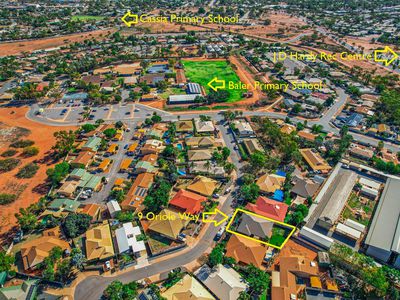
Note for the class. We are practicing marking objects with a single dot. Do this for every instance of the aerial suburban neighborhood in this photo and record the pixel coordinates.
(199, 150)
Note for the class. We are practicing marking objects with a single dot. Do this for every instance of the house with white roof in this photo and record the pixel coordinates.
(204, 126)
(224, 282)
(127, 240)
(113, 208)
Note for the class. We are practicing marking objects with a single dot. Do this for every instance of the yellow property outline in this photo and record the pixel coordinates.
(260, 216)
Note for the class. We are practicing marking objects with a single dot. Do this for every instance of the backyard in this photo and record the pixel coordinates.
(358, 209)
(202, 72)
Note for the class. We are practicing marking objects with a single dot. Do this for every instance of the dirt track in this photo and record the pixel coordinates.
(14, 48)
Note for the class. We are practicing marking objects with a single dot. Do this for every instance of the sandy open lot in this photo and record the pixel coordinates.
(42, 135)
(14, 48)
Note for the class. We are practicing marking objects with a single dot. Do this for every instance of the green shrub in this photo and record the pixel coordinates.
(9, 153)
(7, 198)
(30, 151)
(8, 164)
(22, 144)
(28, 171)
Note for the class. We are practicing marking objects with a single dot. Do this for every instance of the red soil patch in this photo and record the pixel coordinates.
(43, 137)
(14, 48)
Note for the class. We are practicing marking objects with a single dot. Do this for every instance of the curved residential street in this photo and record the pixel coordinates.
(92, 287)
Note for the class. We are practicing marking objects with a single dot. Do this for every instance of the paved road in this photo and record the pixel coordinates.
(112, 174)
(93, 287)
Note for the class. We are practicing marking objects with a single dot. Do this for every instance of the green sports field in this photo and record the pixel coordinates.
(202, 72)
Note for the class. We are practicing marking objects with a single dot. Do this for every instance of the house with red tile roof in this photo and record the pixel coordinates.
(188, 202)
(269, 208)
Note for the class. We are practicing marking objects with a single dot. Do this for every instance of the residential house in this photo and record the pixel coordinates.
(187, 288)
(288, 129)
(35, 251)
(255, 226)
(304, 187)
(83, 160)
(169, 224)
(204, 126)
(315, 160)
(152, 147)
(68, 188)
(361, 152)
(285, 282)
(188, 202)
(243, 128)
(206, 168)
(113, 208)
(92, 144)
(306, 135)
(203, 185)
(269, 183)
(269, 208)
(200, 154)
(138, 191)
(200, 142)
(223, 281)
(246, 251)
(98, 243)
(61, 207)
(252, 146)
(144, 167)
(151, 159)
(26, 291)
(184, 126)
(93, 210)
(127, 240)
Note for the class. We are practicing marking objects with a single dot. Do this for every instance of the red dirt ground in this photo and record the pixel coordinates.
(42, 135)
(14, 48)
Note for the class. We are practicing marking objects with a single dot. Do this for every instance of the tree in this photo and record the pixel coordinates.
(76, 224)
(110, 132)
(216, 256)
(58, 173)
(169, 151)
(6, 261)
(88, 127)
(225, 153)
(250, 192)
(158, 195)
(229, 167)
(156, 118)
(77, 258)
(64, 142)
(257, 160)
(257, 279)
(26, 219)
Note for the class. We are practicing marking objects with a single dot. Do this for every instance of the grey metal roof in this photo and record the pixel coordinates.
(384, 232)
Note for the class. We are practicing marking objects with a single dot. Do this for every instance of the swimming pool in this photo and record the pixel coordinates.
(179, 146)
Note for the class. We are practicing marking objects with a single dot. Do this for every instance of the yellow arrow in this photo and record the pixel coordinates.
(130, 15)
(384, 60)
(214, 213)
(216, 80)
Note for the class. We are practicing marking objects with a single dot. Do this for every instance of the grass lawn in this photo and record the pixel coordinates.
(158, 243)
(86, 18)
(171, 91)
(202, 72)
